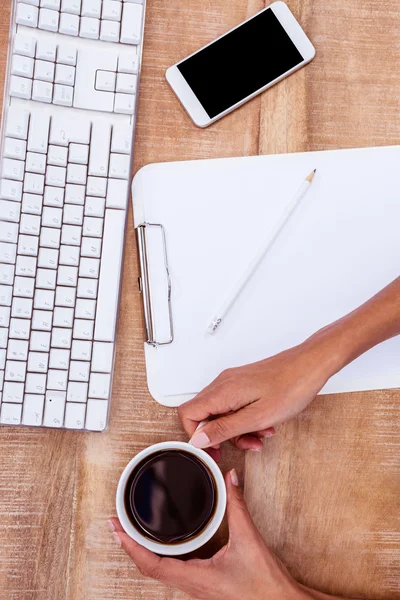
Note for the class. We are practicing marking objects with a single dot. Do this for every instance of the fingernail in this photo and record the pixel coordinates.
(269, 434)
(234, 478)
(200, 440)
(255, 449)
(110, 525)
(117, 539)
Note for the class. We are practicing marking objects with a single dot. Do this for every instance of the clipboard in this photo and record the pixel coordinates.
(199, 223)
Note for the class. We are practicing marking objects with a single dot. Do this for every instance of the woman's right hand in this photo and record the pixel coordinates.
(246, 403)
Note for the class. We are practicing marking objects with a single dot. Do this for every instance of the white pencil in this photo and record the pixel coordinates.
(224, 309)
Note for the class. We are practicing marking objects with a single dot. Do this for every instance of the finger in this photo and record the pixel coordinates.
(217, 399)
(227, 427)
(265, 433)
(248, 442)
(168, 570)
(239, 520)
(114, 524)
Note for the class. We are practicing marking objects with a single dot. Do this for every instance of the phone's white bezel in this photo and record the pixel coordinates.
(189, 100)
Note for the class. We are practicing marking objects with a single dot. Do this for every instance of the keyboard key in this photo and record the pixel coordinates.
(129, 62)
(61, 338)
(56, 176)
(89, 267)
(20, 87)
(100, 150)
(89, 28)
(105, 80)
(22, 308)
(95, 207)
(97, 186)
(120, 166)
(22, 66)
(14, 148)
(66, 55)
(57, 380)
(107, 304)
(27, 15)
(32, 204)
(32, 413)
(10, 413)
(109, 32)
(102, 359)
(69, 255)
(6, 274)
(63, 317)
(42, 92)
(36, 163)
(34, 184)
(69, 24)
(65, 75)
(39, 133)
(71, 6)
(46, 279)
(59, 359)
(13, 392)
(79, 371)
(65, 296)
(24, 287)
(38, 362)
(74, 194)
(53, 196)
(26, 266)
(67, 276)
(28, 245)
(15, 370)
(3, 344)
(54, 409)
(71, 235)
(92, 227)
(9, 210)
(96, 415)
(42, 320)
(75, 415)
(124, 104)
(44, 71)
(83, 329)
(46, 49)
(44, 299)
(48, 259)
(91, 247)
(63, 95)
(131, 27)
(87, 288)
(57, 156)
(52, 4)
(24, 44)
(35, 383)
(79, 154)
(126, 84)
(4, 322)
(50, 237)
(52, 217)
(13, 169)
(77, 174)
(73, 214)
(91, 8)
(17, 350)
(122, 137)
(40, 341)
(8, 253)
(81, 350)
(85, 309)
(17, 123)
(112, 10)
(48, 19)
(5, 295)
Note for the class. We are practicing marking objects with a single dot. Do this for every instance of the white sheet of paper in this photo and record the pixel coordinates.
(341, 246)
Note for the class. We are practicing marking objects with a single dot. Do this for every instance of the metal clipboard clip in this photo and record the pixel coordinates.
(145, 287)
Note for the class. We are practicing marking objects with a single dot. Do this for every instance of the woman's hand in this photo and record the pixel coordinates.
(243, 570)
(254, 398)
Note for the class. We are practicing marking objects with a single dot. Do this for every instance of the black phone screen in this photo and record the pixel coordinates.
(240, 63)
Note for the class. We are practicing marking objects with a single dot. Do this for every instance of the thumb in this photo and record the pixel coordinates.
(226, 427)
(239, 519)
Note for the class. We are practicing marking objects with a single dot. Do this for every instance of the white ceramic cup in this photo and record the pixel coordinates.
(212, 526)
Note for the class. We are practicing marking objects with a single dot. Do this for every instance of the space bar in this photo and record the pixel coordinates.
(110, 276)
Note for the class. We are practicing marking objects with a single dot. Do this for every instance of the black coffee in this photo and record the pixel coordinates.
(170, 496)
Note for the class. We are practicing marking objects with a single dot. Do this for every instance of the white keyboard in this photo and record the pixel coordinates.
(65, 160)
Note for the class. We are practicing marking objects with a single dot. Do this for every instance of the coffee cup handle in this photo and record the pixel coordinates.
(199, 426)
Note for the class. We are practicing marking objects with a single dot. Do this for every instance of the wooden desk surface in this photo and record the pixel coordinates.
(325, 491)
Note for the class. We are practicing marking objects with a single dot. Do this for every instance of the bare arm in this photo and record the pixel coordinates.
(249, 401)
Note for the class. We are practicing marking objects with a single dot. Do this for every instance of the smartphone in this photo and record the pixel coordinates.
(237, 66)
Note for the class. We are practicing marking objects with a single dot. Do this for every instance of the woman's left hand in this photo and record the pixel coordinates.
(244, 569)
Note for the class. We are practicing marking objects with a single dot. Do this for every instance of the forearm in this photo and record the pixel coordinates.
(372, 323)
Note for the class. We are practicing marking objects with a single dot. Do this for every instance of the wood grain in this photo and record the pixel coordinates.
(57, 488)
